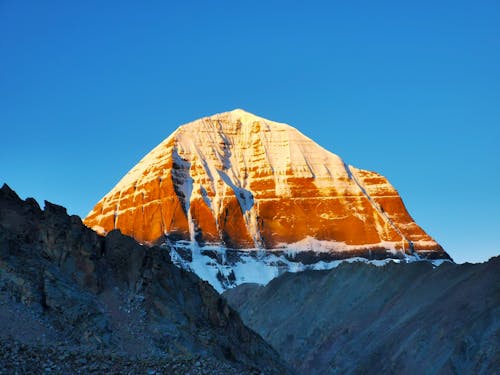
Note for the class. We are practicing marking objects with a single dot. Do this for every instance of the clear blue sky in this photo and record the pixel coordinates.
(408, 89)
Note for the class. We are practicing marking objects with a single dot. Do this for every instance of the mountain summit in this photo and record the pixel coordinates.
(239, 182)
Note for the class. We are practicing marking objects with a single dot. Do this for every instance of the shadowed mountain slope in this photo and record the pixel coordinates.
(65, 289)
(396, 319)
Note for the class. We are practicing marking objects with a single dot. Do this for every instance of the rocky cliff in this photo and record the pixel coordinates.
(395, 319)
(81, 302)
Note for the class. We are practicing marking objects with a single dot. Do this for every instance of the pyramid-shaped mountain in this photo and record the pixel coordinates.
(238, 181)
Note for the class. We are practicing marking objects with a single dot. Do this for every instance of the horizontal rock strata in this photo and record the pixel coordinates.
(245, 182)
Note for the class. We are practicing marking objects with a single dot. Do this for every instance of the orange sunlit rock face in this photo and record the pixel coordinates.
(244, 182)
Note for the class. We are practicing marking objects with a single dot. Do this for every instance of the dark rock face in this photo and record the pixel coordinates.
(62, 284)
(397, 319)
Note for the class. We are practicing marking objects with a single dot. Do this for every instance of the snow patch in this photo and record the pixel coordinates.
(321, 246)
(211, 264)
(100, 230)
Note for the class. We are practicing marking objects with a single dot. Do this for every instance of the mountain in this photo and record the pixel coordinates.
(252, 198)
(72, 301)
(397, 319)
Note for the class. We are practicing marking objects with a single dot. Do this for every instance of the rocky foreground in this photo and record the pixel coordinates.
(397, 319)
(72, 301)
(19, 358)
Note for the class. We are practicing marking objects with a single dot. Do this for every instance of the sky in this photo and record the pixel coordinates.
(408, 89)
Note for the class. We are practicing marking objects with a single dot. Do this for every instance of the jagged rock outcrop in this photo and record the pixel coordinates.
(397, 319)
(63, 284)
(243, 182)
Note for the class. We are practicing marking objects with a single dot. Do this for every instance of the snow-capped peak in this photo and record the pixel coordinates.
(235, 180)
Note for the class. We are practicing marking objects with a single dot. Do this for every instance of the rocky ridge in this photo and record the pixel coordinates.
(80, 302)
(394, 319)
